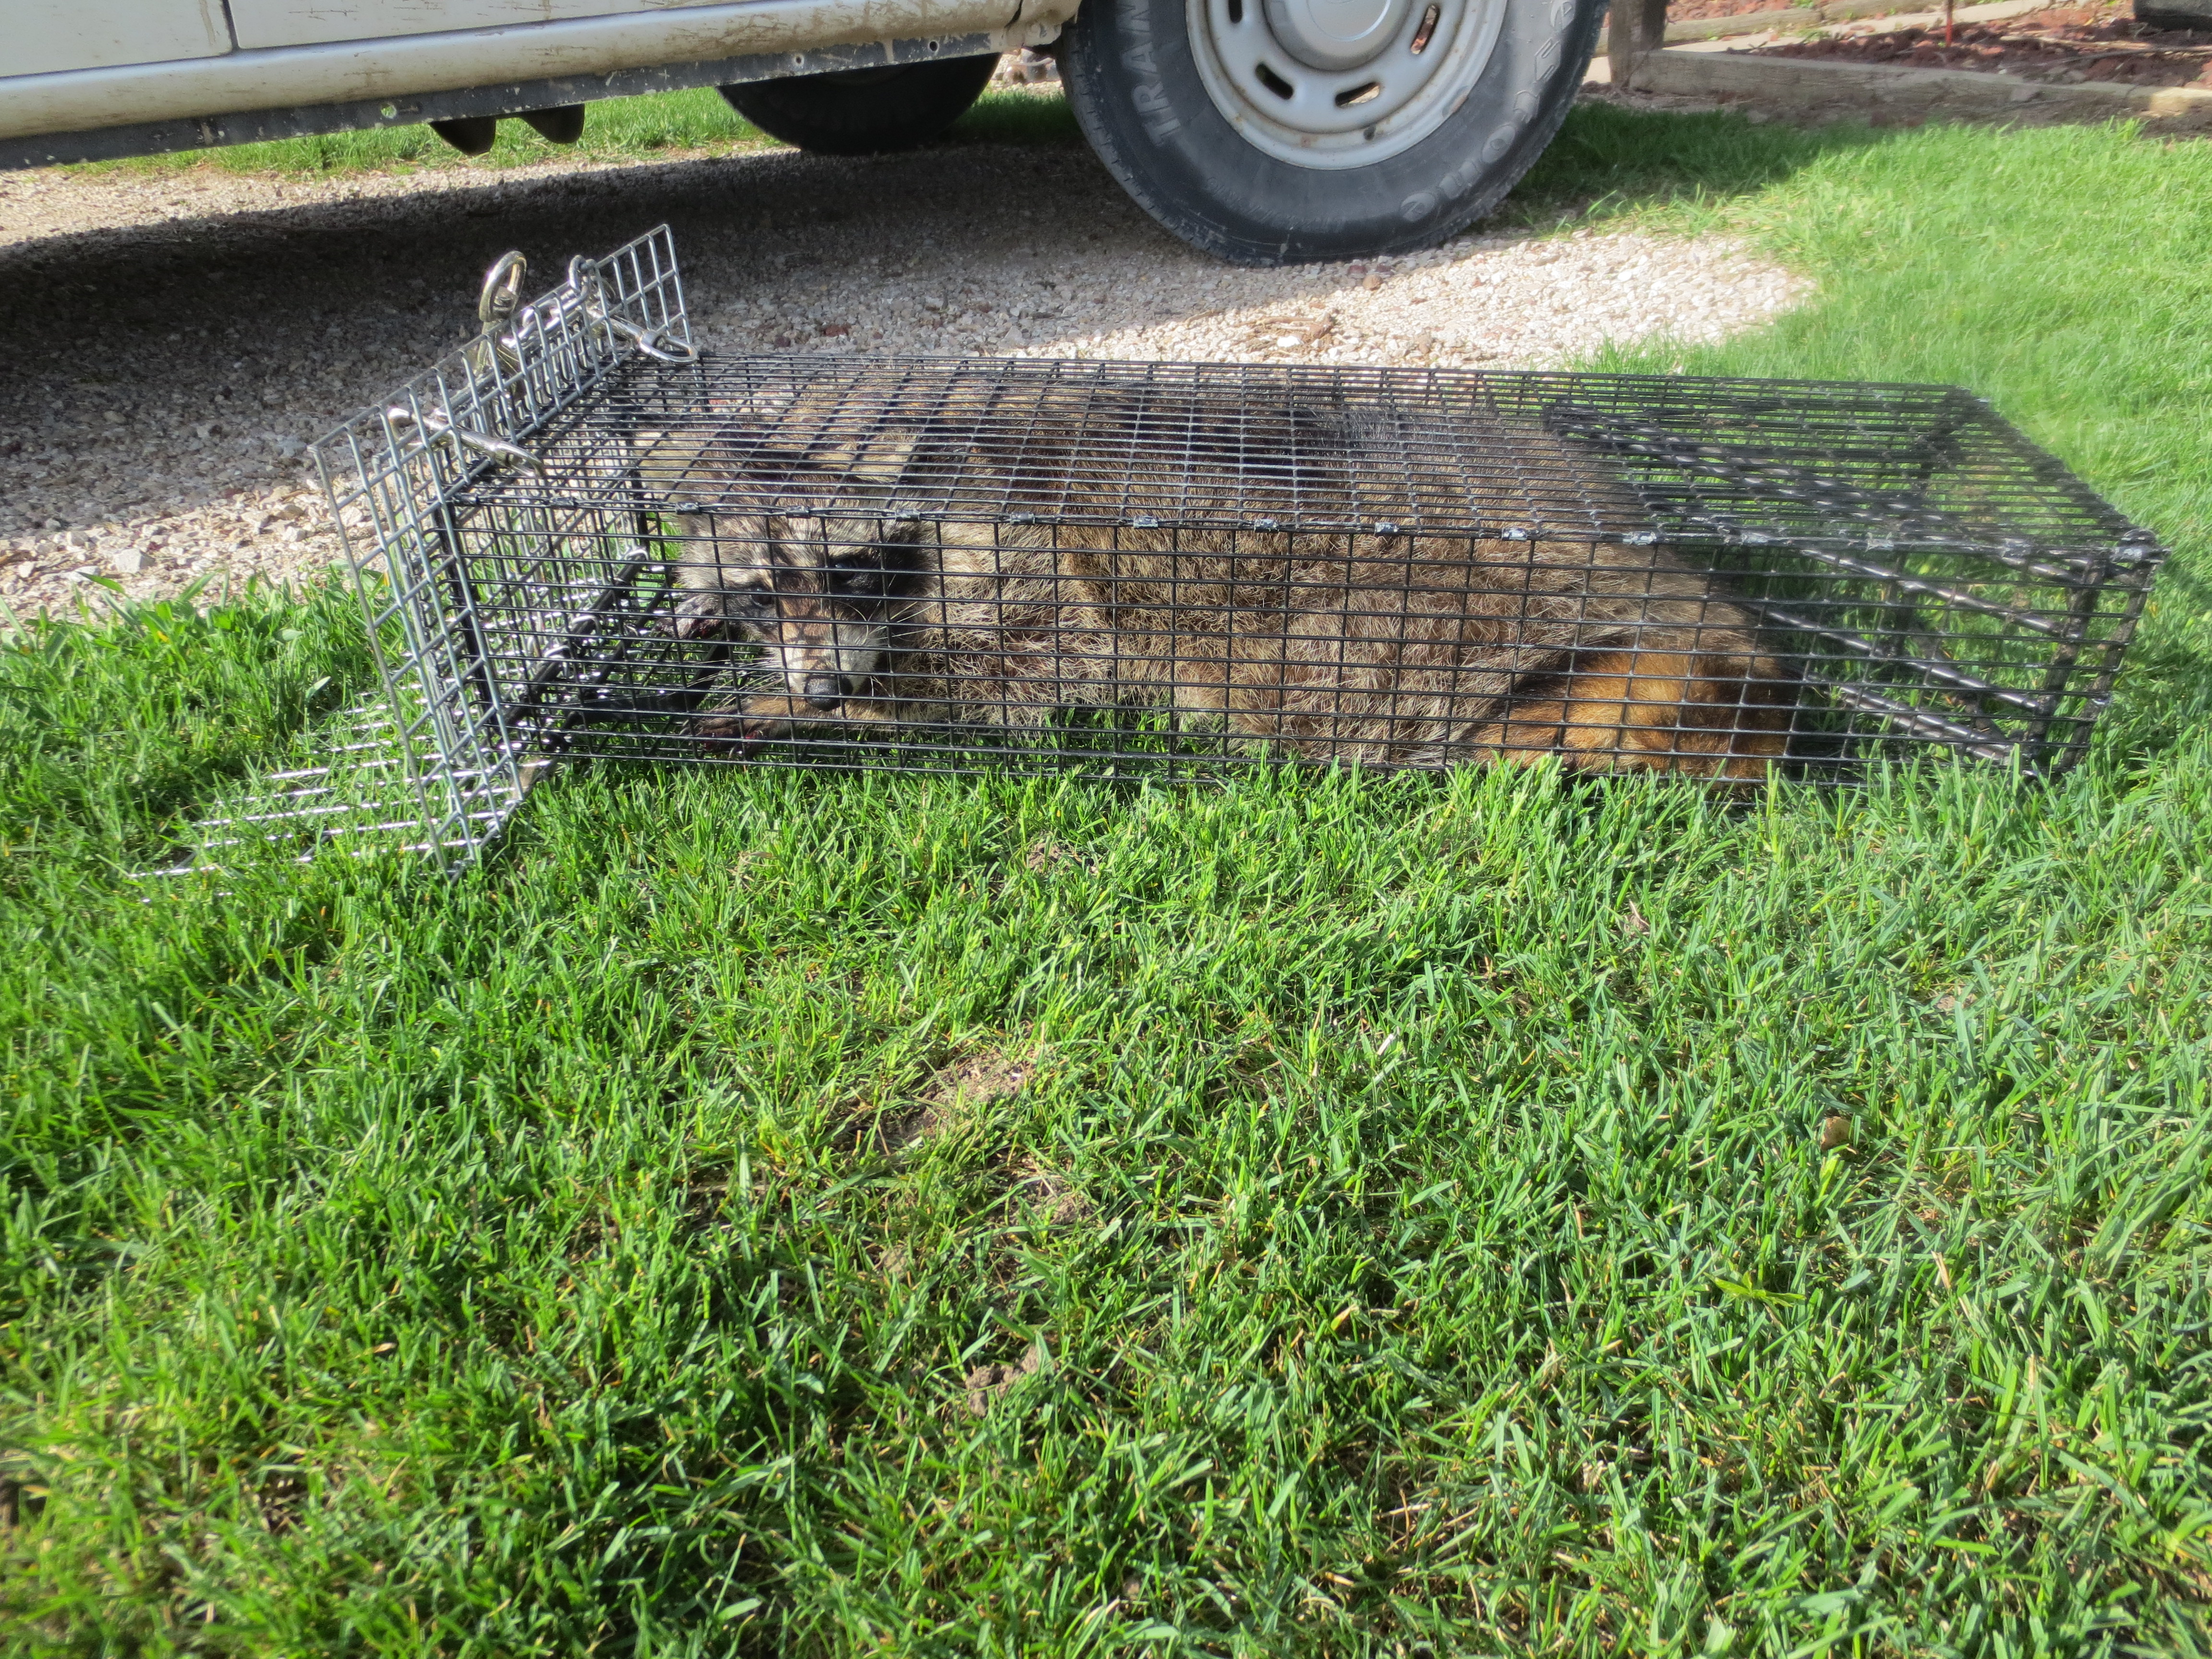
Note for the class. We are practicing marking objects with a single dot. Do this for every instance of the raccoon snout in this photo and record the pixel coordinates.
(824, 690)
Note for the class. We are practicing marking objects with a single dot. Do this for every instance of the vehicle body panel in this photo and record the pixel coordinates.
(43, 36)
(360, 71)
(260, 23)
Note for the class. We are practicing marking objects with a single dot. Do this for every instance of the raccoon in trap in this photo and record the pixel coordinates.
(1302, 579)
(581, 536)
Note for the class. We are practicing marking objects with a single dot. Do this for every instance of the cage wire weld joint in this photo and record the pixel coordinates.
(579, 537)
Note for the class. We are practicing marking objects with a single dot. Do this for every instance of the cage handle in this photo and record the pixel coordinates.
(497, 301)
(502, 295)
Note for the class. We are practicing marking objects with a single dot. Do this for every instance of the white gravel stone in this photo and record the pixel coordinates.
(173, 342)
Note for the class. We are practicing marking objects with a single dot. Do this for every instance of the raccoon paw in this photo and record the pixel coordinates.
(698, 617)
(739, 734)
(747, 729)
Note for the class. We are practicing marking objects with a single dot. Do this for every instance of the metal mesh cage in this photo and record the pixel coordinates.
(589, 540)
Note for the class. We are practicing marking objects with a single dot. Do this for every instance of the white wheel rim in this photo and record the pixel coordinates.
(1340, 83)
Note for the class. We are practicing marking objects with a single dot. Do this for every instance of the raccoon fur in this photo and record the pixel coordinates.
(1040, 548)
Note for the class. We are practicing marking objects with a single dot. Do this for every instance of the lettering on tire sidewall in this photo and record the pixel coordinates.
(1148, 95)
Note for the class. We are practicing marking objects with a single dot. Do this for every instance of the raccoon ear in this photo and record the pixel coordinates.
(696, 542)
(904, 542)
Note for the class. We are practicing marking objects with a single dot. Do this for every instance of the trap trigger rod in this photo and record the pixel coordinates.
(651, 342)
(435, 423)
(588, 284)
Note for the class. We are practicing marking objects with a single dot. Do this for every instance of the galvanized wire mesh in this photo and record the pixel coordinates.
(429, 763)
(1103, 569)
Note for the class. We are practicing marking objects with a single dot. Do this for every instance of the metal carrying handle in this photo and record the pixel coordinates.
(494, 350)
(497, 350)
(501, 296)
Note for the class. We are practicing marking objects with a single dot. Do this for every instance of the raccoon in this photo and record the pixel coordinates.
(1133, 553)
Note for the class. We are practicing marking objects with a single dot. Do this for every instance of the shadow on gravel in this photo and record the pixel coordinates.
(352, 293)
(187, 358)
(345, 296)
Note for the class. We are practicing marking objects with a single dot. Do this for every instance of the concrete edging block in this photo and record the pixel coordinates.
(1886, 95)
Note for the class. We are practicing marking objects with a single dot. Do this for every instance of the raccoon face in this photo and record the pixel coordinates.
(818, 595)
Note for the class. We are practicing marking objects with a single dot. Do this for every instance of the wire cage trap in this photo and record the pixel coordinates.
(581, 538)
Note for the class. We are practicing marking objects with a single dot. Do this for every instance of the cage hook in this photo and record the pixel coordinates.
(435, 423)
(653, 343)
(584, 277)
(495, 353)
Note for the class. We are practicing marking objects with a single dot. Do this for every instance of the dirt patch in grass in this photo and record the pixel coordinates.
(956, 1093)
(981, 1079)
(1050, 1191)
(987, 1383)
(2067, 45)
(1047, 853)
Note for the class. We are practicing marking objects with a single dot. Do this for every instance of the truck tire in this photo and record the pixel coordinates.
(864, 112)
(1272, 131)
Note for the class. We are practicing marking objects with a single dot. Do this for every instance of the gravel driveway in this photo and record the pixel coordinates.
(173, 343)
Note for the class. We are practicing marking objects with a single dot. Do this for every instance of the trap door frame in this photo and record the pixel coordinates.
(400, 475)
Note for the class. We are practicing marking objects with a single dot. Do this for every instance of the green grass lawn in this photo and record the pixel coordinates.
(1411, 1233)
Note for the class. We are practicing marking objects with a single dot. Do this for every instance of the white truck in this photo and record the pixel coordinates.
(1262, 130)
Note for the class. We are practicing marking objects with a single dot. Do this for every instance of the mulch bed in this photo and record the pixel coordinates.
(2065, 44)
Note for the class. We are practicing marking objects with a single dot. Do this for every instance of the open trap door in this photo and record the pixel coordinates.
(580, 537)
